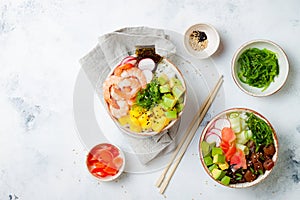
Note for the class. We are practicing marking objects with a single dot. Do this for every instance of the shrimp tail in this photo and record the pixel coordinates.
(118, 71)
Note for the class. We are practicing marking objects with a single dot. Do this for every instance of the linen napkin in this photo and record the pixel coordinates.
(98, 63)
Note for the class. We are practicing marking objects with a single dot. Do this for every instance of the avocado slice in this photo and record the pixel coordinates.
(225, 180)
(224, 165)
(164, 88)
(216, 150)
(177, 91)
(171, 114)
(205, 147)
(223, 173)
(216, 173)
(179, 107)
(169, 101)
(175, 81)
(212, 144)
(208, 160)
(212, 167)
(218, 158)
(163, 79)
(181, 99)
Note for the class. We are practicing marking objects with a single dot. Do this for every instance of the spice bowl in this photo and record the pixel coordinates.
(201, 40)
(278, 80)
(238, 148)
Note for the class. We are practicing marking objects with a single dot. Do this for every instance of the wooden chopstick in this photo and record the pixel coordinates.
(188, 136)
(161, 178)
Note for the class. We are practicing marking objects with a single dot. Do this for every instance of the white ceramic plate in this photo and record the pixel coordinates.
(94, 127)
(278, 81)
(213, 39)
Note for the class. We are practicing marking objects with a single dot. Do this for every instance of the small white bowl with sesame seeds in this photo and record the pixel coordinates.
(201, 40)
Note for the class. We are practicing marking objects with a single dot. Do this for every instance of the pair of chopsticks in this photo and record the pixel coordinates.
(163, 181)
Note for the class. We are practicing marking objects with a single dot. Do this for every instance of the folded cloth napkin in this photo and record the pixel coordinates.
(114, 46)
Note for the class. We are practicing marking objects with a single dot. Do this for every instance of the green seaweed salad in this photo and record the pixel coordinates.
(258, 67)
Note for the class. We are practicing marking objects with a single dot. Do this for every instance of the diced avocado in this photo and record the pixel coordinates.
(171, 114)
(205, 147)
(175, 81)
(164, 88)
(214, 166)
(169, 95)
(218, 158)
(223, 173)
(179, 107)
(212, 144)
(163, 106)
(216, 173)
(225, 180)
(224, 165)
(208, 160)
(181, 99)
(216, 150)
(177, 91)
(163, 79)
(169, 101)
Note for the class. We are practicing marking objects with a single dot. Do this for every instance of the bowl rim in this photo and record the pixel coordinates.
(152, 133)
(197, 54)
(274, 158)
(239, 51)
(121, 170)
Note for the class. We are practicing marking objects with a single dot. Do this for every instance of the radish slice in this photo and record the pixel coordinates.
(129, 59)
(222, 123)
(212, 137)
(146, 63)
(148, 74)
(216, 131)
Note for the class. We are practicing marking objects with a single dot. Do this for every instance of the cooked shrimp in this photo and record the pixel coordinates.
(122, 111)
(129, 87)
(108, 83)
(115, 93)
(136, 73)
(131, 101)
(121, 68)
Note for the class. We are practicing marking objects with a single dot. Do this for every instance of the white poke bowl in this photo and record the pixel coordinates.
(164, 67)
(214, 134)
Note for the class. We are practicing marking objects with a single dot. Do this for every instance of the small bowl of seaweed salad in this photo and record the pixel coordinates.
(238, 148)
(260, 68)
